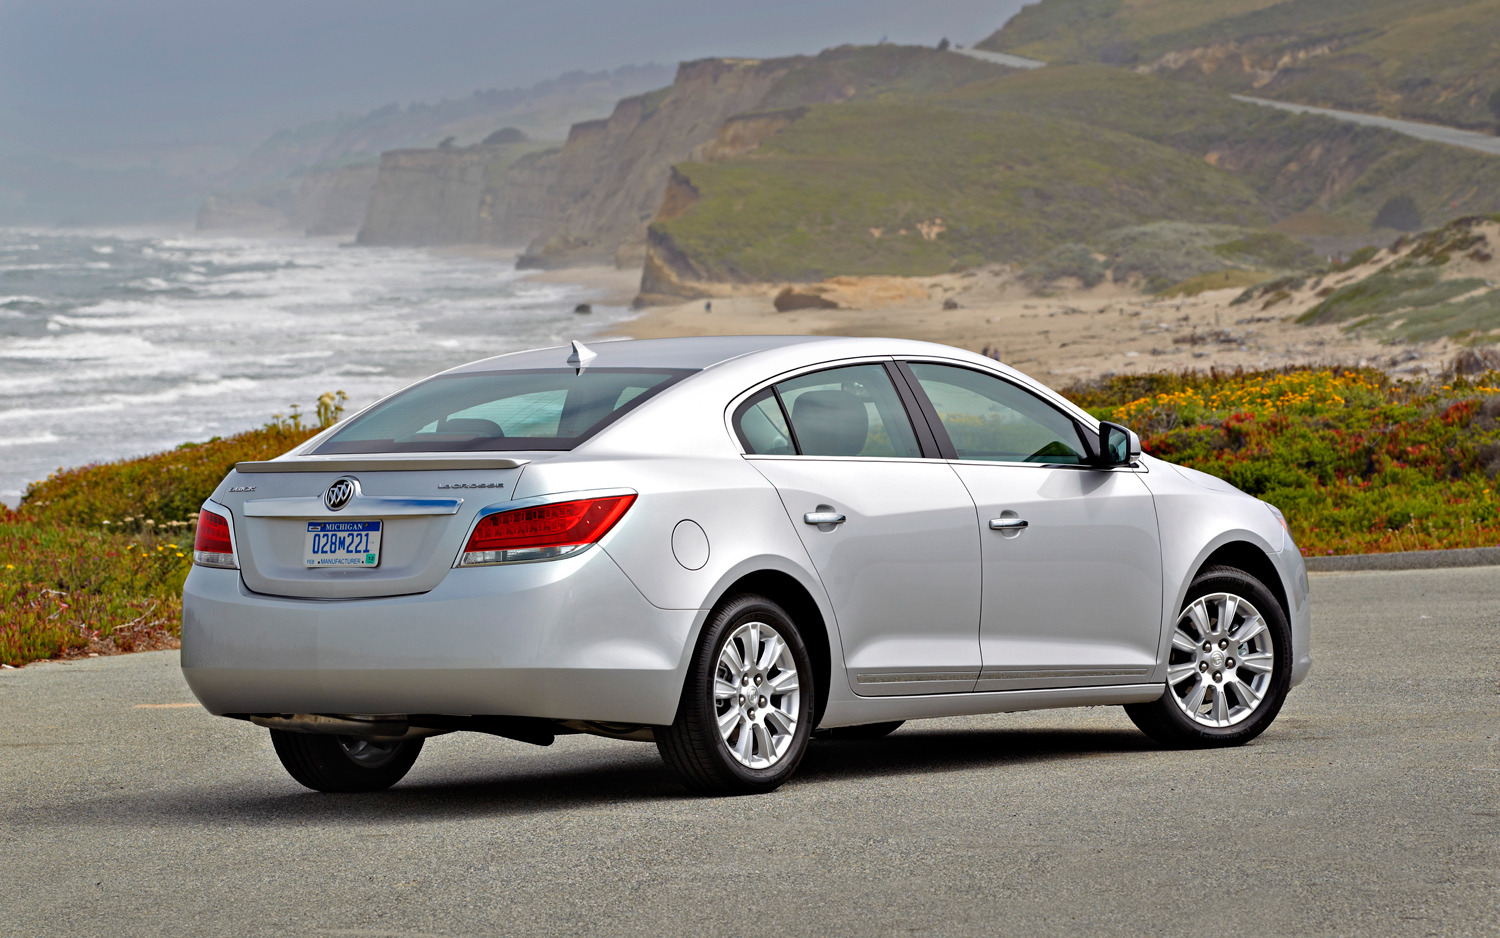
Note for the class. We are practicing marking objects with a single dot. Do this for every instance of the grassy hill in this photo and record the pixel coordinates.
(909, 188)
(1435, 60)
(1011, 167)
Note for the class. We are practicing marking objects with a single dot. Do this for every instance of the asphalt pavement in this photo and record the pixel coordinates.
(1371, 807)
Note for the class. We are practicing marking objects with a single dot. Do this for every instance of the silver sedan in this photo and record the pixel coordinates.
(729, 546)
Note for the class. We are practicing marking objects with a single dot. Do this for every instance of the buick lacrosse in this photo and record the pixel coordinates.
(729, 546)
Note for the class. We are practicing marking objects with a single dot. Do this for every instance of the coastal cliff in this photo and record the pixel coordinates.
(611, 173)
(333, 201)
(456, 195)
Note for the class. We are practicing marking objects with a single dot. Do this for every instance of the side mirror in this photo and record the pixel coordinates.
(1118, 446)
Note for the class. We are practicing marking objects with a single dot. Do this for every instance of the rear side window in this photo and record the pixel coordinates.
(991, 419)
(505, 410)
(850, 411)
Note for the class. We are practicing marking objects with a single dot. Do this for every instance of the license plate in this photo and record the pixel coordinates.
(342, 544)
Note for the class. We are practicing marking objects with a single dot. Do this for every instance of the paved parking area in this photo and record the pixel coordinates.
(1371, 807)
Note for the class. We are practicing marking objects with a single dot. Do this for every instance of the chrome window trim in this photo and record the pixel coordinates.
(740, 398)
(1070, 410)
(531, 502)
(1137, 466)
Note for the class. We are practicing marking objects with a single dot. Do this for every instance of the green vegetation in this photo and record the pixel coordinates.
(1165, 254)
(1431, 61)
(913, 189)
(1011, 167)
(861, 73)
(1358, 463)
(95, 558)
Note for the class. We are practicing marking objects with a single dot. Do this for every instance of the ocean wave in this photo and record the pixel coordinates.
(22, 299)
(117, 402)
(35, 438)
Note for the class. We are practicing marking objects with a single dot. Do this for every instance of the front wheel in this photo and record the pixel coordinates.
(1229, 668)
(746, 711)
(344, 763)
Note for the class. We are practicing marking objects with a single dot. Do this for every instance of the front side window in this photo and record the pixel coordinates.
(849, 411)
(502, 410)
(991, 419)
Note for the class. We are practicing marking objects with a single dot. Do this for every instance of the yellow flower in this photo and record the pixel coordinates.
(179, 553)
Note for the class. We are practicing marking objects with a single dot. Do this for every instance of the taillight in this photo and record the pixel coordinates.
(212, 546)
(544, 531)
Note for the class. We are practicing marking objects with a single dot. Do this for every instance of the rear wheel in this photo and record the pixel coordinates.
(344, 763)
(746, 711)
(1229, 668)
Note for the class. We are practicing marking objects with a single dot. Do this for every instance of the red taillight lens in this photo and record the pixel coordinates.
(212, 546)
(544, 531)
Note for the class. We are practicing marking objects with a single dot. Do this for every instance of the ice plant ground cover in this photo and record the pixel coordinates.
(1359, 463)
(94, 560)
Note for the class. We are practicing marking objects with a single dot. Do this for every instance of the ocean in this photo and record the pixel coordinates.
(117, 344)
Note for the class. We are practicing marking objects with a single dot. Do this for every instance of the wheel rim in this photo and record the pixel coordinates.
(1222, 660)
(369, 753)
(756, 695)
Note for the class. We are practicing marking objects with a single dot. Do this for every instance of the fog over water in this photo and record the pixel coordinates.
(115, 344)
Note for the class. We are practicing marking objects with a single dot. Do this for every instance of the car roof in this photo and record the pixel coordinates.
(696, 352)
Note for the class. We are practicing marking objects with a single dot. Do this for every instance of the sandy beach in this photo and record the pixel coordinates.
(1059, 335)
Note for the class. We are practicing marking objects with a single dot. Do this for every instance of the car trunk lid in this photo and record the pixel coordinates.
(421, 506)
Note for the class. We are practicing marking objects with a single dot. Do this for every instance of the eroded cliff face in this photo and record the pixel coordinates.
(333, 201)
(427, 197)
(611, 173)
(459, 195)
(518, 202)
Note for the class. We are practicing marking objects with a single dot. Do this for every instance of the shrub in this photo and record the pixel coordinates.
(1358, 463)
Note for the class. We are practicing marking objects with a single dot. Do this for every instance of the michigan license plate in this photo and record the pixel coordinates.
(341, 544)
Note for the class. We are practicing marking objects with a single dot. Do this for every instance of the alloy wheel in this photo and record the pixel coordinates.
(756, 695)
(1222, 660)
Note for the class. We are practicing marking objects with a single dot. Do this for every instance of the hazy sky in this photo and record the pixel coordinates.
(80, 75)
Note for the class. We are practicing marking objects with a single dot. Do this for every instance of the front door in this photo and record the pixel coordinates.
(892, 534)
(1072, 590)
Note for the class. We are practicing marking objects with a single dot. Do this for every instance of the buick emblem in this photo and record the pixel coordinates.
(338, 494)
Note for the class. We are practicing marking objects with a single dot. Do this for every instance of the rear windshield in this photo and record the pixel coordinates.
(501, 410)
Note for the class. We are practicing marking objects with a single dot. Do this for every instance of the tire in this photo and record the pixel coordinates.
(768, 733)
(864, 731)
(344, 763)
(1239, 699)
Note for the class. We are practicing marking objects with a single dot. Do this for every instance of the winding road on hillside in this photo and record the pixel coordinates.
(1436, 133)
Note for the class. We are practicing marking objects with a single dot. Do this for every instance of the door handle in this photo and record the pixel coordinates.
(1007, 524)
(822, 517)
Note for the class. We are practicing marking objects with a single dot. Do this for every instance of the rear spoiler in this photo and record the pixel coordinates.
(380, 464)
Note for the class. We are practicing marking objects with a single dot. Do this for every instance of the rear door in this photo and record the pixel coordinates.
(1072, 565)
(891, 533)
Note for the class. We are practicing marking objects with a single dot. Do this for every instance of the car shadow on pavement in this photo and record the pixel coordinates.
(572, 781)
(915, 750)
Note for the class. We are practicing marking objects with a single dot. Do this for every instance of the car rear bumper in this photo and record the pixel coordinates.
(564, 639)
